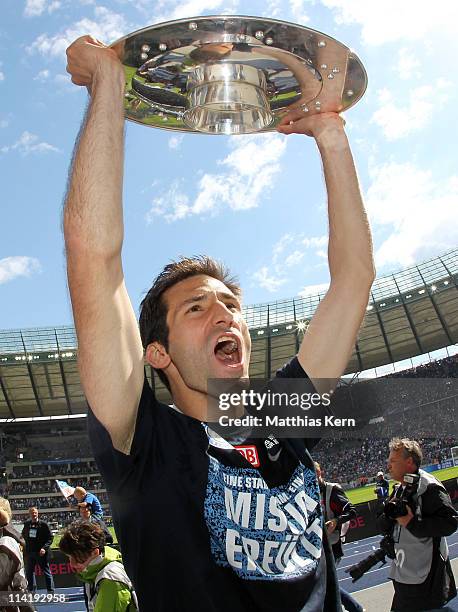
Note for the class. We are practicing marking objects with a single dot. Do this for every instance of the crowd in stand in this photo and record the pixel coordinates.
(49, 486)
(444, 368)
(64, 470)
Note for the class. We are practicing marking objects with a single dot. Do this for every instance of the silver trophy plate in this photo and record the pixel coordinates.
(229, 74)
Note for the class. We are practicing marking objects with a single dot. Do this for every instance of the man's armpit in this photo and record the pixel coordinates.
(123, 442)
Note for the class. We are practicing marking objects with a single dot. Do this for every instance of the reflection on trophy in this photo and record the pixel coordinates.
(234, 75)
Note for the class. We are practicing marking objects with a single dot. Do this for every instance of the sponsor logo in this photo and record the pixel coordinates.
(357, 522)
(250, 453)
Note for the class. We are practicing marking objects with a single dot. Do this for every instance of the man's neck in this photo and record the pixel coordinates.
(190, 402)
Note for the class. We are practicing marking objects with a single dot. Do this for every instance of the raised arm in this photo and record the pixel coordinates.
(329, 340)
(110, 354)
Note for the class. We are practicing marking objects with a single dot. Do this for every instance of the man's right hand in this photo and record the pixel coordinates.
(88, 58)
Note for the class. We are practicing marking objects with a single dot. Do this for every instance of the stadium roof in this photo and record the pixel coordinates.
(410, 313)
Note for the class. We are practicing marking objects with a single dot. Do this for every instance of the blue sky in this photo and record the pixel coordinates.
(256, 202)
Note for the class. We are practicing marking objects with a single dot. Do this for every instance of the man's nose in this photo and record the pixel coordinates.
(221, 313)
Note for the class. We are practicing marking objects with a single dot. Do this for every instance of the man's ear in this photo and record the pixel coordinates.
(157, 356)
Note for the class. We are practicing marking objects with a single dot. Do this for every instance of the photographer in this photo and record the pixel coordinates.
(382, 487)
(418, 515)
(338, 512)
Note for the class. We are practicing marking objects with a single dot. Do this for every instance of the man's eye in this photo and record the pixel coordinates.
(232, 306)
(194, 308)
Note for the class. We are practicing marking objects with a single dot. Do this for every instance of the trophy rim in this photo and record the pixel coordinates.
(247, 18)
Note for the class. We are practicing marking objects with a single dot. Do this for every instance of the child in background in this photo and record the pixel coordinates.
(107, 588)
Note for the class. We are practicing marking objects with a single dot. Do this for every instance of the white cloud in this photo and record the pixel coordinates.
(268, 281)
(29, 143)
(290, 242)
(424, 102)
(315, 241)
(391, 20)
(407, 64)
(418, 210)
(166, 10)
(294, 258)
(313, 289)
(298, 11)
(4, 123)
(35, 8)
(106, 26)
(173, 204)
(285, 255)
(2, 76)
(12, 267)
(281, 244)
(175, 141)
(252, 165)
(42, 76)
(273, 9)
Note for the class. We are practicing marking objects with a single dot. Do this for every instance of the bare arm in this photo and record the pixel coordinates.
(328, 343)
(110, 354)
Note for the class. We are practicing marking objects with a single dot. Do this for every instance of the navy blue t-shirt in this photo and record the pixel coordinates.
(208, 526)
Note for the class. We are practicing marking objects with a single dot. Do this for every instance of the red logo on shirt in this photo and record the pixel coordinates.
(250, 453)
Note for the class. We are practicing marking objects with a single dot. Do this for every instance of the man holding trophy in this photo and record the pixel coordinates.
(200, 526)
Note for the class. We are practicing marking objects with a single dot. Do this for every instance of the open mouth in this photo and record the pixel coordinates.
(227, 350)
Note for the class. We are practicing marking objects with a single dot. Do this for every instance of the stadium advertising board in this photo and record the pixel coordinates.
(448, 463)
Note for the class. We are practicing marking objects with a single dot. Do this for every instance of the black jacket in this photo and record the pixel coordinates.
(341, 509)
(41, 539)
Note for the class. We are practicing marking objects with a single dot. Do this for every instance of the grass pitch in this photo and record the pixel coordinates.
(365, 494)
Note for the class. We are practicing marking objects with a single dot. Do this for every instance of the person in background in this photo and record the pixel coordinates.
(38, 539)
(12, 575)
(338, 512)
(382, 487)
(107, 588)
(84, 497)
(86, 515)
(421, 571)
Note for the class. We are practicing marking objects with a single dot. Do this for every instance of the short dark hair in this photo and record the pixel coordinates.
(80, 539)
(153, 308)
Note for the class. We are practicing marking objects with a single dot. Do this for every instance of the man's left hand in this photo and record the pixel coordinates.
(331, 526)
(405, 520)
(299, 122)
(42, 552)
